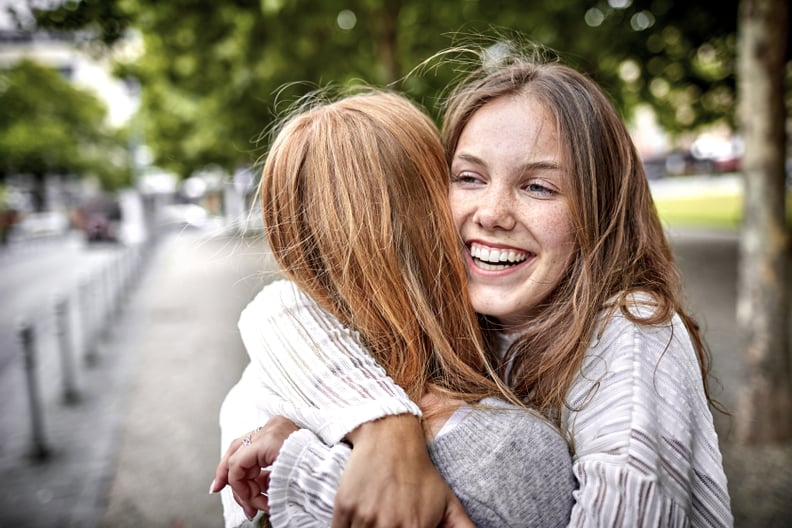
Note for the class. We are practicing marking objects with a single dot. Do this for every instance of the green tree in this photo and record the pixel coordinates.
(211, 71)
(47, 126)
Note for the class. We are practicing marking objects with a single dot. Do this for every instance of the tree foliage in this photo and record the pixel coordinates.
(47, 126)
(213, 75)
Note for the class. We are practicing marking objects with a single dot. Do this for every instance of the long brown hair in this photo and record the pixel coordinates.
(354, 195)
(621, 246)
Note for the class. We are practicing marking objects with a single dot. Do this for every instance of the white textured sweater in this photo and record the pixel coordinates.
(646, 451)
(508, 468)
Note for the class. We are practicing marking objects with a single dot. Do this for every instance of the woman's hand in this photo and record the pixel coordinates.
(390, 480)
(242, 465)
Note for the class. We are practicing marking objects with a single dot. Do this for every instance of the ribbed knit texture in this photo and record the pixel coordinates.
(507, 467)
(308, 469)
(646, 449)
(308, 358)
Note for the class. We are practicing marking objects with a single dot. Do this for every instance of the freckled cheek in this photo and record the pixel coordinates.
(568, 246)
(459, 209)
(560, 235)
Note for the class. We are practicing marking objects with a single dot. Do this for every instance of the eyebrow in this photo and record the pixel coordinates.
(525, 167)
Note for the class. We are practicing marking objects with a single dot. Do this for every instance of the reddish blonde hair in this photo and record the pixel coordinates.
(621, 246)
(355, 201)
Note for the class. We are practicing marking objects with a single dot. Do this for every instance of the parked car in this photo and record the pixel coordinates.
(98, 219)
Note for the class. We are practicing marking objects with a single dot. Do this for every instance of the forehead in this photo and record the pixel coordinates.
(511, 128)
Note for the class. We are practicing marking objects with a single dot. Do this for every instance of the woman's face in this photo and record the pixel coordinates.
(508, 198)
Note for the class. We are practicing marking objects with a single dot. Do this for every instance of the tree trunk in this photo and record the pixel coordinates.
(388, 40)
(764, 412)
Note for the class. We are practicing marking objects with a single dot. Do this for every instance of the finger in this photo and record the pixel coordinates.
(249, 510)
(246, 489)
(341, 518)
(360, 517)
(221, 472)
(263, 482)
(221, 476)
(260, 502)
(248, 460)
(455, 516)
(245, 475)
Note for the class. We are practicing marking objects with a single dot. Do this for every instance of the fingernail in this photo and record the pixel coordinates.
(211, 488)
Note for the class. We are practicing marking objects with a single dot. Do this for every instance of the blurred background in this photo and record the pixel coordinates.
(131, 136)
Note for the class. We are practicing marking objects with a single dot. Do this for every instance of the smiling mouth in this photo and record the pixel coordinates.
(495, 259)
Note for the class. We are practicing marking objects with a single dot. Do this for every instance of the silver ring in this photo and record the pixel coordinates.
(246, 441)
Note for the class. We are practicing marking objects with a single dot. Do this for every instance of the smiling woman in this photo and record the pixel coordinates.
(508, 197)
(581, 303)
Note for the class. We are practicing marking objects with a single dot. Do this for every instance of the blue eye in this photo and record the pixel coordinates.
(539, 189)
(466, 177)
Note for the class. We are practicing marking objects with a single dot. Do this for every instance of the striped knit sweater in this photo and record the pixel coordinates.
(646, 451)
(485, 459)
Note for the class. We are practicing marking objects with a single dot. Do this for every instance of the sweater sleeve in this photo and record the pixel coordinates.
(310, 360)
(240, 413)
(304, 481)
(304, 365)
(646, 450)
(508, 468)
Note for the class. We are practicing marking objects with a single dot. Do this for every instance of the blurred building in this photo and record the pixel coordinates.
(72, 59)
(72, 55)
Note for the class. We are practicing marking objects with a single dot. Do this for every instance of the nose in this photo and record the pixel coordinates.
(495, 210)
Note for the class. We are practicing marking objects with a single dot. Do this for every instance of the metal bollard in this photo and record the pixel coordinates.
(109, 308)
(89, 325)
(39, 450)
(118, 283)
(70, 393)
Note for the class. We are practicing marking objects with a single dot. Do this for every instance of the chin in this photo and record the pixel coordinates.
(491, 309)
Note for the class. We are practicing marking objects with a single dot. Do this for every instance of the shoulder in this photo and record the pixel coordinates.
(528, 467)
(637, 410)
(282, 313)
(276, 296)
(498, 423)
(496, 427)
(500, 440)
(636, 378)
(279, 302)
(619, 342)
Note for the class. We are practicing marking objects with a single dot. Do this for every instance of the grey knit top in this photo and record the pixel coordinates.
(508, 468)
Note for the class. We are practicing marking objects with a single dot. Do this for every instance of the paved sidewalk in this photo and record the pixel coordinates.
(141, 448)
(760, 478)
(188, 355)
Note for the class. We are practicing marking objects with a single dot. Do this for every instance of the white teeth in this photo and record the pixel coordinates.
(494, 256)
(491, 267)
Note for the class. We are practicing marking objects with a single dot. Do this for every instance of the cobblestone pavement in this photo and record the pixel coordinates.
(140, 448)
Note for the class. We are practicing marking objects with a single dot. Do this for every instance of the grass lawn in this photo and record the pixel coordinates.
(708, 207)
